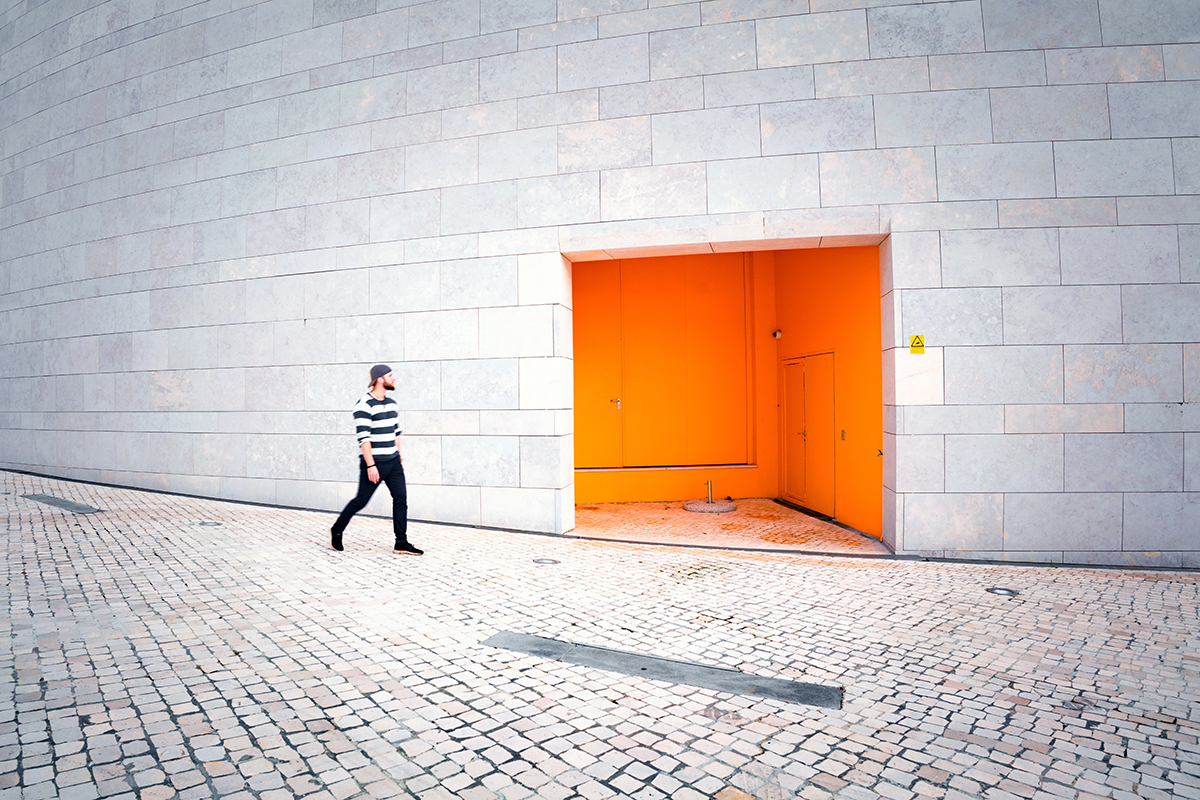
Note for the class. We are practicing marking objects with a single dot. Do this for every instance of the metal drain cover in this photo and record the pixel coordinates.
(1002, 591)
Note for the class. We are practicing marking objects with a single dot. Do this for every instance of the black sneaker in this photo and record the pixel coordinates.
(406, 549)
(335, 540)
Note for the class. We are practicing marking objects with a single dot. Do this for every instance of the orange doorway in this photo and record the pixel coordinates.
(808, 433)
(698, 368)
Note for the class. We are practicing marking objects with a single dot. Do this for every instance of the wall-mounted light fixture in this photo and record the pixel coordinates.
(778, 334)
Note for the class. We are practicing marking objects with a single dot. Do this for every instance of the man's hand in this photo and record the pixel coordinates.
(373, 474)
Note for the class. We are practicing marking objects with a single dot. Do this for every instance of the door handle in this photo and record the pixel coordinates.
(616, 400)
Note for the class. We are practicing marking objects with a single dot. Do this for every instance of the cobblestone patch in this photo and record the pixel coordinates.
(149, 655)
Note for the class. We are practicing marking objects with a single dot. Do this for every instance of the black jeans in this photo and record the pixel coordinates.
(391, 472)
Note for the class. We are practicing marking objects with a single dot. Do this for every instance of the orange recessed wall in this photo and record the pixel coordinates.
(686, 344)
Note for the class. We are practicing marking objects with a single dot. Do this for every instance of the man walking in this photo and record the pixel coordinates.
(375, 420)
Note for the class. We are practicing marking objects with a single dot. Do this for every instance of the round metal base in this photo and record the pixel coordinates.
(715, 507)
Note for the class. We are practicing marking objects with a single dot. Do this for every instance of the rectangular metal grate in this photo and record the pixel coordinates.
(58, 502)
(663, 669)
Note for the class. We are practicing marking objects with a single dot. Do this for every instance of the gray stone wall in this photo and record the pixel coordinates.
(215, 216)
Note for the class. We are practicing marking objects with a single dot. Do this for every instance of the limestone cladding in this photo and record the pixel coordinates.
(213, 219)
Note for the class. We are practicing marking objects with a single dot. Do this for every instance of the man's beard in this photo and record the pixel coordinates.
(389, 385)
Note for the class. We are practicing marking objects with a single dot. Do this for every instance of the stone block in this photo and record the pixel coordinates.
(380, 172)
(697, 50)
(417, 384)
(812, 39)
(559, 200)
(919, 420)
(941, 216)
(604, 62)
(1010, 462)
(1009, 374)
(375, 34)
(1062, 315)
(1150, 22)
(1105, 65)
(479, 207)
(481, 282)
(1123, 373)
(763, 183)
(817, 126)
(442, 248)
(758, 86)
(307, 341)
(483, 384)
(1161, 521)
(384, 97)
(189, 348)
(664, 18)
(1086, 522)
(1124, 462)
(1186, 157)
(547, 461)
(518, 154)
(432, 424)
(507, 15)
(337, 224)
(397, 217)
(925, 118)
(1134, 167)
(1127, 254)
(953, 522)
(1044, 113)
(1163, 418)
(453, 504)
(515, 331)
(648, 192)
(314, 110)
(219, 454)
(874, 77)
(546, 383)
(522, 74)
(925, 30)
(439, 164)
(521, 241)
(443, 21)
(947, 317)
(441, 335)
(1096, 418)
(654, 97)
(1053, 213)
(1181, 62)
(995, 171)
(312, 48)
(443, 87)
(1041, 24)
(904, 175)
(247, 345)
(544, 278)
(1191, 373)
(999, 257)
(406, 130)
(910, 379)
(406, 287)
(481, 461)
(710, 134)
(919, 463)
(301, 184)
(516, 423)
(1189, 253)
(479, 119)
(604, 144)
(271, 455)
(519, 509)
(335, 294)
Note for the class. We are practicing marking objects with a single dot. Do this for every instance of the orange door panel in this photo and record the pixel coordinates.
(793, 431)
(597, 334)
(653, 327)
(809, 431)
(715, 358)
(820, 438)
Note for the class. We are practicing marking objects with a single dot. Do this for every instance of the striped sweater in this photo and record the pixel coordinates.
(377, 420)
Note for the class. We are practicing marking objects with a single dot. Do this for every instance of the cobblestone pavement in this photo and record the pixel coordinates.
(757, 524)
(173, 647)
